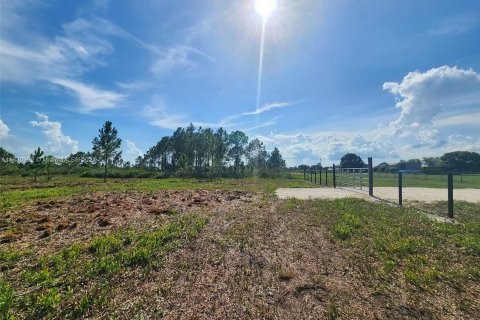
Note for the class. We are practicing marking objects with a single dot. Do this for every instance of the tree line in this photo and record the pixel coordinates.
(190, 151)
(197, 151)
(455, 162)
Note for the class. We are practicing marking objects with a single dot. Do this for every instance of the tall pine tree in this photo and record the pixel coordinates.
(106, 146)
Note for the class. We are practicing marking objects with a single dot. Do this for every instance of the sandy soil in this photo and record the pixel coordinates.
(427, 195)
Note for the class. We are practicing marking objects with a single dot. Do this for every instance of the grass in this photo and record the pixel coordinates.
(402, 244)
(17, 191)
(78, 278)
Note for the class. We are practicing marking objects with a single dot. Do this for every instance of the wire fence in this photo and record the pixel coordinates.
(441, 185)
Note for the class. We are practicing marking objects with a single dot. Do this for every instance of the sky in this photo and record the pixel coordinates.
(387, 79)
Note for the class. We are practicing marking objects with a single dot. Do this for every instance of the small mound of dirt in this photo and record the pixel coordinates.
(43, 219)
(42, 227)
(45, 234)
(62, 225)
(104, 222)
(158, 211)
(8, 238)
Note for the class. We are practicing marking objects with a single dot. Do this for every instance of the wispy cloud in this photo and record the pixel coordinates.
(455, 25)
(270, 106)
(261, 125)
(134, 85)
(469, 119)
(177, 57)
(157, 115)
(90, 97)
(57, 142)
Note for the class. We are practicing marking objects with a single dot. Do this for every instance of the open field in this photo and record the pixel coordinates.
(207, 249)
(411, 180)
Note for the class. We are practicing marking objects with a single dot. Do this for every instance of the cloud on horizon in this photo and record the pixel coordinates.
(57, 142)
(3, 129)
(422, 97)
(132, 151)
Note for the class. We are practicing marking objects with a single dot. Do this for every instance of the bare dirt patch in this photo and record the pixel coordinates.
(49, 226)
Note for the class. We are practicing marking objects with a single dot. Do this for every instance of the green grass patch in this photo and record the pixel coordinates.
(75, 280)
(393, 243)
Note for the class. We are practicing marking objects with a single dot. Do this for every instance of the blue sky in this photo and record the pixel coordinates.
(388, 79)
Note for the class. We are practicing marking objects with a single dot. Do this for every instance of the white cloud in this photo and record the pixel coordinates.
(309, 148)
(3, 129)
(423, 96)
(428, 102)
(57, 142)
(270, 106)
(90, 97)
(132, 151)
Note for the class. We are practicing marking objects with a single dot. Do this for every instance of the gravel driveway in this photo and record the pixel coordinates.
(384, 193)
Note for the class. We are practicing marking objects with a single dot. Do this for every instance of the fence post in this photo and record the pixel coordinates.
(320, 176)
(334, 178)
(315, 176)
(370, 177)
(304, 174)
(326, 177)
(311, 176)
(450, 196)
(400, 200)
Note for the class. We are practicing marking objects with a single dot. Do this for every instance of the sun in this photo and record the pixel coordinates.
(265, 7)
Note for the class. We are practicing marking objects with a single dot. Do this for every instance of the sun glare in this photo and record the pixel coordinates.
(265, 7)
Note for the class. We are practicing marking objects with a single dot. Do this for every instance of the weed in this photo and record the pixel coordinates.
(6, 298)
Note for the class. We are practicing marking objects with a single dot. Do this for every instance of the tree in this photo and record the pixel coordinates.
(221, 145)
(6, 156)
(36, 161)
(351, 160)
(303, 167)
(238, 140)
(256, 154)
(80, 159)
(461, 161)
(276, 161)
(317, 166)
(413, 164)
(382, 167)
(106, 145)
(432, 162)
